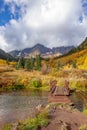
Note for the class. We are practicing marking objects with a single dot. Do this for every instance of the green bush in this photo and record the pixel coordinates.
(18, 87)
(32, 124)
(36, 83)
(7, 127)
(43, 119)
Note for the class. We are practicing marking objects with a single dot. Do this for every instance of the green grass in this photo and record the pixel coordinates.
(31, 124)
(7, 127)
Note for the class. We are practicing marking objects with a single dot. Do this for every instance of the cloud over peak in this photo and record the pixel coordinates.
(52, 23)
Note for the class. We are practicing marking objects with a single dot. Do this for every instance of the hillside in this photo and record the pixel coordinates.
(82, 46)
(77, 57)
(40, 49)
(75, 60)
(4, 55)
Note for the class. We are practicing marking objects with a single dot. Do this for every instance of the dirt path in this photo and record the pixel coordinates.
(62, 118)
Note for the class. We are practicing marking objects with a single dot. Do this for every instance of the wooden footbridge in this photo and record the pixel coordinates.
(59, 99)
(59, 94)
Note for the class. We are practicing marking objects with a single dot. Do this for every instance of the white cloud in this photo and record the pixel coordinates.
(3, 43)
(50, 22)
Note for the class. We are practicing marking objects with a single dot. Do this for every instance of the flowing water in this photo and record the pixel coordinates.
(19, 105)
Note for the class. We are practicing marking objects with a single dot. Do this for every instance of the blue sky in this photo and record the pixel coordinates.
(24, 23)
(5, 13)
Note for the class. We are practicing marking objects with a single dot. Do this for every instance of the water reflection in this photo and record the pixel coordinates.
(19, 105)
(80, 100)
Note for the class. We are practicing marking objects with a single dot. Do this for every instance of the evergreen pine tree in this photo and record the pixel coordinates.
(28, 64)
(32, 63)
(38, 62)
(74, 64)
(59, 65)
(20, 63)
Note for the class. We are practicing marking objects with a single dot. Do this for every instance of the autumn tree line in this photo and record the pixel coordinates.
(76, 60)
(35, 64)
(29, 63)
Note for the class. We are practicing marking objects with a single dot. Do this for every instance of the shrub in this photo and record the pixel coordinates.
(32, 124)
(36, 83)
(7, 127)
(18, 87)
(43, 119)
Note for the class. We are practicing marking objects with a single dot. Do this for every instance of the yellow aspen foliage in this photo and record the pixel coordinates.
(2, 61)
(67, 67)
(85, 63)
(13, 63)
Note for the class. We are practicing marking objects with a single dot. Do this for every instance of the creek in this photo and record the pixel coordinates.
(19, 105)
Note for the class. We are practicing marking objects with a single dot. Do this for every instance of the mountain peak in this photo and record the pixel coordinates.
(41, 49)
(38, 45)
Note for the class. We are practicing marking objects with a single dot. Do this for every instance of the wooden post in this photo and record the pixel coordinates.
(67, 86)
(53, 86)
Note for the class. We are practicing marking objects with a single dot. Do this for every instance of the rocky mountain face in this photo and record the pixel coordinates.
(41, 49)
(44, 51)
(63, 49)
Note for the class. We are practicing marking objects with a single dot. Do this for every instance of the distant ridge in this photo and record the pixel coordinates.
(62, 49)
(41, 49)
(5, 56)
